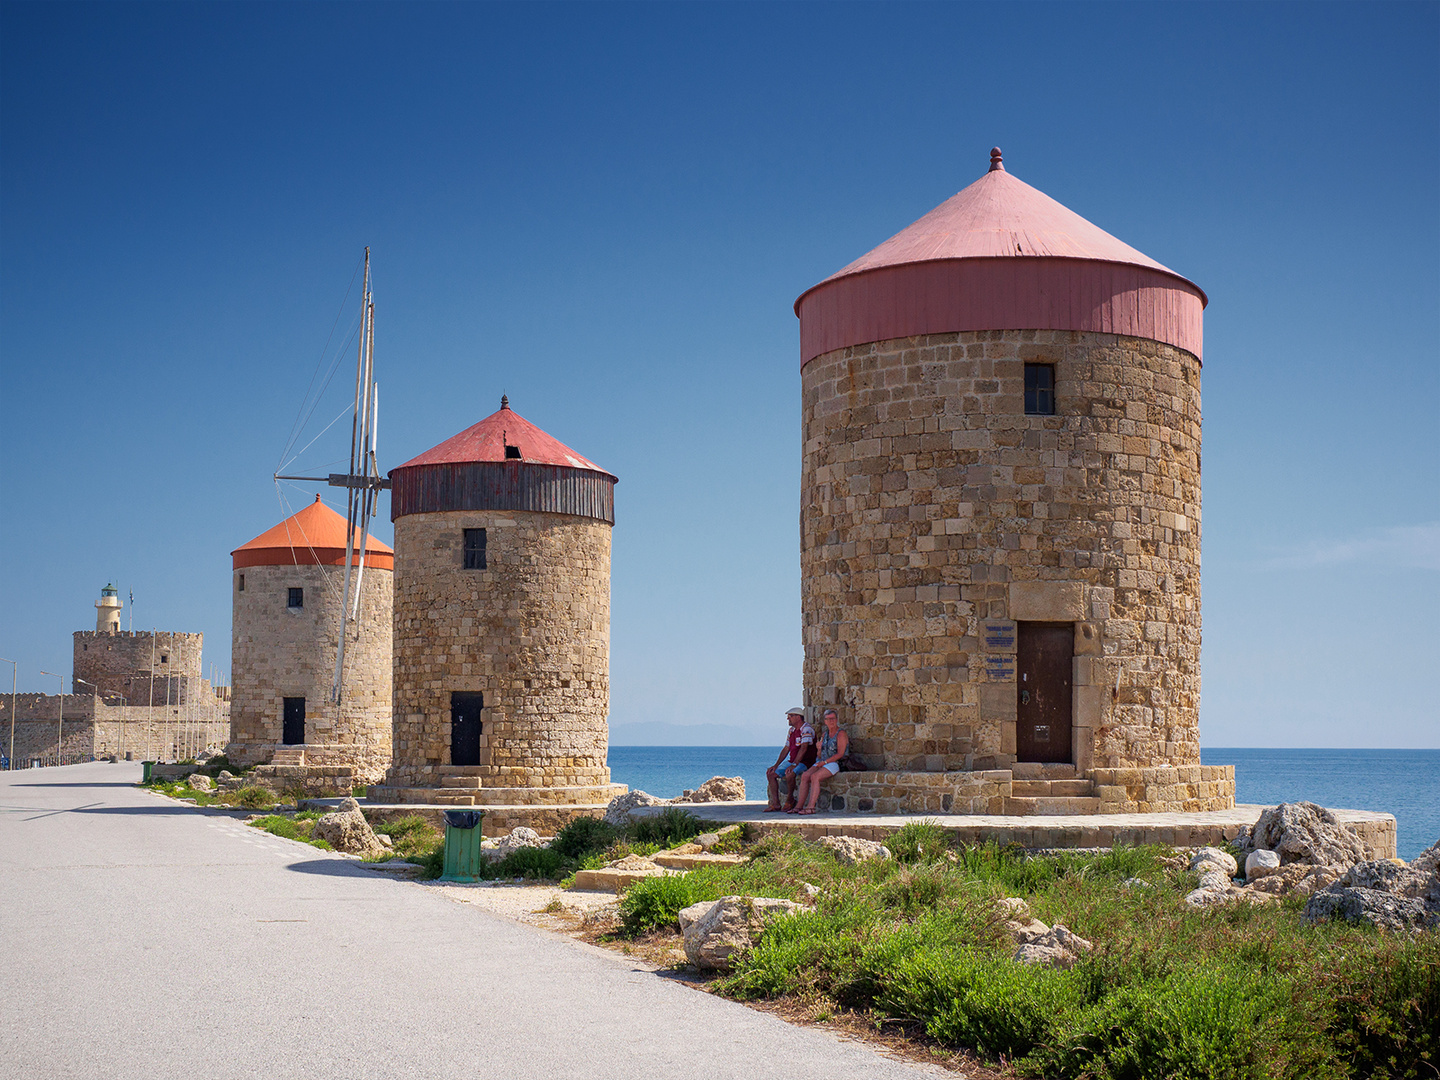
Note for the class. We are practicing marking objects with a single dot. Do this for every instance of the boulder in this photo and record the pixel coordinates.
(1306, 833)
(1026, 931)
(618, 810)
(1208, 858)
(1209, 896)
(1261, 863)
(520, 837)
(1058, 947)
(851, 849)
(1381, 909)
(632, 862)
(1012, 907)
(1214, 879)
(347, 831)
(716, 932)
(716, 789)
(812, 892)
(1427, 866)
(201, 782)
(1383, 875)
(225, 774)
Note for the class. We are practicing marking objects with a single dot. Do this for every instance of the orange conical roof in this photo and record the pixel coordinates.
(505, 430)
(313, 537)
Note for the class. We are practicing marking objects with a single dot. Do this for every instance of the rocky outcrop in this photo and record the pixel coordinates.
(851, 849)
(716, 789)
(1209, 859)
(618, 810)
(1306, 833)
(347, 830)
(717, 930)
(1383, 892)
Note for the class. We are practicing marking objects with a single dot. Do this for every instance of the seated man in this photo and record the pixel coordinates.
(799, 741)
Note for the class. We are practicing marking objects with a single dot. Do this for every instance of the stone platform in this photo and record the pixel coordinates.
(498, 820)
(1375, 830)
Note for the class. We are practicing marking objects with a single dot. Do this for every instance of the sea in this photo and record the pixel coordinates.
(1405, 783)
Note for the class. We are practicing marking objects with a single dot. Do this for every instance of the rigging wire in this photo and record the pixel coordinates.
(298, 427)
(311, 443)
(329, 378)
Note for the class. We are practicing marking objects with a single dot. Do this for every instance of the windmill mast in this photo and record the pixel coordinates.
(363, 482)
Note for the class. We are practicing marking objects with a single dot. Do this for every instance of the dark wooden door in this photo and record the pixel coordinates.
(1043, 670)
(294, 730)
(465, 727)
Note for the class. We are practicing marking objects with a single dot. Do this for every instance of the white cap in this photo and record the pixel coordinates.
(798, 710)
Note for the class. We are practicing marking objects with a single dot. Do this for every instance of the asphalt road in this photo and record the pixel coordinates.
(142, 938)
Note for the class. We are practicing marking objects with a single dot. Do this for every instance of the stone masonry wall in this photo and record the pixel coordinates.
(278, 652)
(935, 513)
(144, 667)
(531, 632)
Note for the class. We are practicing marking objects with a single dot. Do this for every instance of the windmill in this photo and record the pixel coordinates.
(363, 482)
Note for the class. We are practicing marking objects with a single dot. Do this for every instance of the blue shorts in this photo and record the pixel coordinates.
(789, 766)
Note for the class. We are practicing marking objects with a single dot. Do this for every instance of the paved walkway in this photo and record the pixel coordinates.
(144, 938)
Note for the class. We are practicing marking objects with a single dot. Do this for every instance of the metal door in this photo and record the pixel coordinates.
(465, 709)
(1043, 669)
(294, 732)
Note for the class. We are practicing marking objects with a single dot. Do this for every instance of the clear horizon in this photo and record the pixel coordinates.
(606, 212)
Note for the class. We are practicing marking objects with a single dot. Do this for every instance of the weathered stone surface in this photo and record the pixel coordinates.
(1213, 858)
(1382, 909)
(632, 862)
(851, 850)
(691, 862)
(1206, 896)
(1012, 907)
(201, 782)
(618, 811)
(1384, 875)
(347, 830)
(1261, 863)
(812, 892)
(1306, 833)
(520, 837)
(1024, 931)
(716, 789)
(728, 926)
(1057, 947)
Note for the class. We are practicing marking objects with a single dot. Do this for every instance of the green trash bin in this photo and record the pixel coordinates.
(462, 845)
(145, 770)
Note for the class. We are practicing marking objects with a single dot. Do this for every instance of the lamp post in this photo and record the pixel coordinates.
(14, 672)
(60, 730)
(95, 709)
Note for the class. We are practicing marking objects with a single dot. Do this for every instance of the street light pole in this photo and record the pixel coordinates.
(59, 731)
(14, 674)
(95, 709)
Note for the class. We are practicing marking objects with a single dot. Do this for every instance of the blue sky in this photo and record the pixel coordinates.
(606, 212)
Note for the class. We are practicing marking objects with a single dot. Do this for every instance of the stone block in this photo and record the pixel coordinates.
(1047, 601)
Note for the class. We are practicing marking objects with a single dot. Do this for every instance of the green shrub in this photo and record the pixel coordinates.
(532, 862)
(412, 837)
(584, 836)
(291, 828)
(654, 902)
(669, 827)
(254, 798)
(1386, 1020)
(918, 841)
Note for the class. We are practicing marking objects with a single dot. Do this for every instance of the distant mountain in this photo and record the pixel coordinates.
(657, 733)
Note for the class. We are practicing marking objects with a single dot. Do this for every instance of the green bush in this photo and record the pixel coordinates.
(654, 902)
(669, 827)
(584, 836)
(1386, 1019)
(918, 841)
(532, 862)
(292, 828)
(254, 798)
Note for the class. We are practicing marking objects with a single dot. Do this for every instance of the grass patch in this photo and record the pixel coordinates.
(293, 827)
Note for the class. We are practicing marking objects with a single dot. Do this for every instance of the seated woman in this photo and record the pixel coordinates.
(831, 746)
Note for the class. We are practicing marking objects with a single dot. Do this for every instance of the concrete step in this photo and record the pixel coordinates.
(1050, 807)
(1052, 788)
(1043, 770)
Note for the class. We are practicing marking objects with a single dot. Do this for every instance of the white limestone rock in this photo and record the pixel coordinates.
(851, 849)
(201, 782)
(1027, 931)
(1208, 858)
(618, 810)
(348, 832)
(716, 789)
(1058, 947)
(1261, 863)
(729, 926)
(520, 837)
(1306, 833)
(1012, 907)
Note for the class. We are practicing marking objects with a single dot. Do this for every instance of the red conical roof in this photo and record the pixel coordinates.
(313, 537)
(487, 441)
(999, 255)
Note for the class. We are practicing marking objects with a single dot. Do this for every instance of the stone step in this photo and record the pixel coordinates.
(1052, 788)
(446, 799)
(1043, 770)
(294, 756)
(462, 781)
(1050, 807)
(590, 795)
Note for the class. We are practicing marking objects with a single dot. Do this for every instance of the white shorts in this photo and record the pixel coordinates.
(832, 768)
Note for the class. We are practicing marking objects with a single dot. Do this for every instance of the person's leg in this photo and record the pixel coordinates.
(797, 773)
(774, 783)
(816, 776)
(799, 800)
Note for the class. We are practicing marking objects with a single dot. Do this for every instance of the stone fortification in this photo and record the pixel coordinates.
(97, 730)
(280, 651)
(531, 633)
(143, 667)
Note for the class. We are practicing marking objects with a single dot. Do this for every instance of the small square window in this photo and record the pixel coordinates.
(1039, 389)
(474, 549)
(241, 586)
(164, 659)
(297, 599)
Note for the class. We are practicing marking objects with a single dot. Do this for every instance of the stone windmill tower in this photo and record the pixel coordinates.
(1000, 527)
(286, 624)
(502, 623)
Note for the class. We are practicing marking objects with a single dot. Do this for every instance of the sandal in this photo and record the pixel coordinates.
(772, 809)
(808, 810)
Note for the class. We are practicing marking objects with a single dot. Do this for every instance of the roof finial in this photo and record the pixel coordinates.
(317, 496)
(996, 164)
(504, 401)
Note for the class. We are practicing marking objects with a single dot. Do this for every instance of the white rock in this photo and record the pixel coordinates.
(851, 849)
(348, 832)
(717, 789)
(1012, 907)
(1023, 933)
(520, 837)
(731, 925)
(201, 782)
(1214, 879)
(812, 892)
(618, 810)
(1221, 860)
(1261, 863)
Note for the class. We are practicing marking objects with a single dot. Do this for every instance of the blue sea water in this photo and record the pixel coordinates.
(1405, 783)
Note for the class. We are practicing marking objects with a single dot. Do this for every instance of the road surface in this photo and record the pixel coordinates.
(143, 938)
